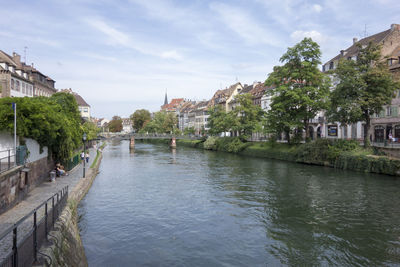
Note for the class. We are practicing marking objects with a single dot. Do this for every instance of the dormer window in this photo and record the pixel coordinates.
(390, 62)
(331, 65)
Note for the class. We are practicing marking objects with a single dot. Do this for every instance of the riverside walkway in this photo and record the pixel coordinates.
(34, 198)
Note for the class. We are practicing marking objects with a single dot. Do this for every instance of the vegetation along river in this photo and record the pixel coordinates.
(190, 207)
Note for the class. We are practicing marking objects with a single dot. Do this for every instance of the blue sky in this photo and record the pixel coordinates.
(123, 55)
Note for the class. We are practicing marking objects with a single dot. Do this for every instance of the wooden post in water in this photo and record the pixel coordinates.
(132, 143)
(173, 142)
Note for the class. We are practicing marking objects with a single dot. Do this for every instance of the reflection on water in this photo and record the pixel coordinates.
(162, 206)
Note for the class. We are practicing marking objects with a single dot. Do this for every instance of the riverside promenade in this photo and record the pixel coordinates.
(37, 196)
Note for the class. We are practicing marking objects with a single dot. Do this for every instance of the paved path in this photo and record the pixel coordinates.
(34, 198)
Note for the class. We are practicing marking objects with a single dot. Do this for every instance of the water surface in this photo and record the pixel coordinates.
(189, 207)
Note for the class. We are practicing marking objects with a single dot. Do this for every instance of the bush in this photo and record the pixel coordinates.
(210, 143)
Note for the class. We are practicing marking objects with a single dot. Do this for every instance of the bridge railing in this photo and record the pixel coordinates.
(166, 136)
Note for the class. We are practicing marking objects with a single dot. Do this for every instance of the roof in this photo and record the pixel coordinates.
(174, 105)
(352, 50)
(81, 102)
(4, 57)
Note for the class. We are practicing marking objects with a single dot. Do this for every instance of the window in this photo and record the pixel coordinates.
(348, 58)
(388, 111)
(390, 62)
(323, 68)
(23, 88)
(17, 86)
(12, 84)
(331, 65)
(85, 110)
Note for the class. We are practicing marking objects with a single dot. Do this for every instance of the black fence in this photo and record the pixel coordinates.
(20, 242)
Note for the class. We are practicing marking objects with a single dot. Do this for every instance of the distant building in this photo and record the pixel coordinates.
(84, 108)
(127, 126)
(174, 106)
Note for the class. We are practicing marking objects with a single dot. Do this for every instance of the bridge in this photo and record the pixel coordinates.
(127, 136)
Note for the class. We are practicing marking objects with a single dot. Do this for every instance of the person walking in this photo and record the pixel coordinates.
(83, 155)
(87, 157)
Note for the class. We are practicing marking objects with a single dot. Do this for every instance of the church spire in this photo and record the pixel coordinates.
(166, 98)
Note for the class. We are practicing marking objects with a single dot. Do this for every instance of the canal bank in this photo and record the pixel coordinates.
(65, 247)
(343, 155)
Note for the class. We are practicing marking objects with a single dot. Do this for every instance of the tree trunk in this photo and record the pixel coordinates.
(366, 131)
(307, 137)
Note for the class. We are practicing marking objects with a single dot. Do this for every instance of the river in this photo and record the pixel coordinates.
(190, 207)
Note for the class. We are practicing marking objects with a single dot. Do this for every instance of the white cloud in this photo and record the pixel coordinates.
(317, 8)
(171, 55)
(315, 35)
(244, 25)
(117, 37)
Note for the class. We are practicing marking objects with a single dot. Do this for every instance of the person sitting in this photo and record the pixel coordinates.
(60, 170)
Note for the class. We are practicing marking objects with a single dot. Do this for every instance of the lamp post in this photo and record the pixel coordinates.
(84, 153)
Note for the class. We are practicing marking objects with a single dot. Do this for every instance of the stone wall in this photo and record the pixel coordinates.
(12, 188)
(16, 183)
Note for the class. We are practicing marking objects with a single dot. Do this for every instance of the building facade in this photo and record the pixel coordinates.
(14, 80)
(387, 121)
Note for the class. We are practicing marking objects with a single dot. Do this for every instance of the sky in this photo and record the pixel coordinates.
(123, 55)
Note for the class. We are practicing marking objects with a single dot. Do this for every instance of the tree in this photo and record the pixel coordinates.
(115, 125)
(90, 129)
(219, 121)
(139, 118)
(301, 90)
(246, 115)
(189, 130)
(51, 121)
(163, 122)
(365, 85)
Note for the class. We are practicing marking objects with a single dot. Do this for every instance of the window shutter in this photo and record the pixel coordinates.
(394, 111)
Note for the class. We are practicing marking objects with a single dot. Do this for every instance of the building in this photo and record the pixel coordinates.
(42, 85)
(183, 115)
(14, 80)
(200, 111)
(387, 121)
(174, 106)
(84, 108)
(127, 126)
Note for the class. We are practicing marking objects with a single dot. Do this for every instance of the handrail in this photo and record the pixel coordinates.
(17, 247)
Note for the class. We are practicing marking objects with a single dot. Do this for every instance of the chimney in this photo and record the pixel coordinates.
(355, 40)
(16, 58)
(394, 27)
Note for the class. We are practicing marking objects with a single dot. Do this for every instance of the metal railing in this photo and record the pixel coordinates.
(20, 242)
(8, 159)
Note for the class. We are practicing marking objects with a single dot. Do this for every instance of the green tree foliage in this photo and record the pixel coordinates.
(365, 85)
(219, 121)
(301, 90)
(246, 115)
(115, 125)
(90, 129)
(163, 122)
(139, 118)
(189, 130)
(51, 121)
